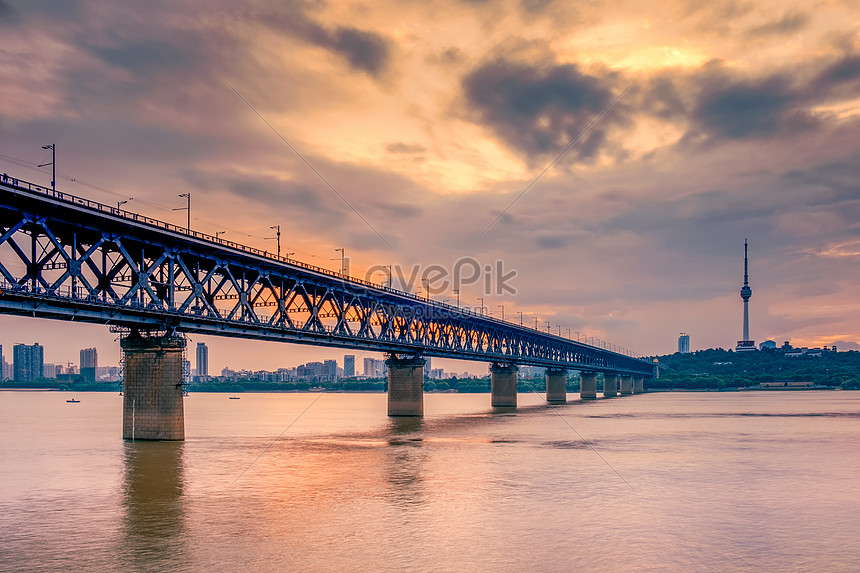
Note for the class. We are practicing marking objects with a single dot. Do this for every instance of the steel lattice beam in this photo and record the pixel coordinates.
(68, 258)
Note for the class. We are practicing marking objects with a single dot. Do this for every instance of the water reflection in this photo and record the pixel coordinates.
(155, 519)
(405, 458)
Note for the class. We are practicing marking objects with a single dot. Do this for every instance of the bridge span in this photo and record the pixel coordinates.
(68, 258)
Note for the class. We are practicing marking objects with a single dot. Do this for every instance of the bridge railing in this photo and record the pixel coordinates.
(131, 216)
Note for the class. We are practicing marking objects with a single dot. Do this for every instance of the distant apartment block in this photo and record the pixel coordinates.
(349, 365)
(28, 362)
(684, 343)
(374, 368)
(202, 361)
(89, 364)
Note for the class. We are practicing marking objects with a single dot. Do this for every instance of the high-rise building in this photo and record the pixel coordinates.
(27, 362)
(374, 368)
(746, 344)
(202, 361)
(49, 371)
(427, 367)
(330, 370)
(349, 365)
(2, 365)
(684, 343)
(89, 364)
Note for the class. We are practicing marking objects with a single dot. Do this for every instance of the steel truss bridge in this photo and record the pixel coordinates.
(68, 258)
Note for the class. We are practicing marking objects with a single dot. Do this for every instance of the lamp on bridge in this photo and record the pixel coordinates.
(186, 208)
(342, 260)
(53, 164)
(277, 229)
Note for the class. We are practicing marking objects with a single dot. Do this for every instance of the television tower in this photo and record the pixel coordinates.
(746, 292)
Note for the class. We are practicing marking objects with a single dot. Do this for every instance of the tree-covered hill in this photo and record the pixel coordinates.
(717, 368)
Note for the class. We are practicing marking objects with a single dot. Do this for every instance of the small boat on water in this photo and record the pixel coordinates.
(235, 398)
(73, 401)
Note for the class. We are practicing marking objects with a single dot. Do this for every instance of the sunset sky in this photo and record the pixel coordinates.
(735, 120)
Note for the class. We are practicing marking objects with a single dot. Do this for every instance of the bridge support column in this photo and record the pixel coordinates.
(405, 386)
(626, 385)
(588, 385)
(503, 385)
(152, 407)
(638, 385)
(610, 385)
(556, 385)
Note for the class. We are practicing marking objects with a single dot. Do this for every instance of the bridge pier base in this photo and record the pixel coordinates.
(556, 385)
(405, 386)
(152, 407)
(588, 385)
(610, 385)
(503, 385)
(626, 385)
(638, 385)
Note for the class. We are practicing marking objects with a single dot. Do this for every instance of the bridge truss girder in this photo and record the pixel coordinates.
(67, 258)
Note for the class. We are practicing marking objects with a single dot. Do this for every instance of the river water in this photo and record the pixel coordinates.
(310, 482)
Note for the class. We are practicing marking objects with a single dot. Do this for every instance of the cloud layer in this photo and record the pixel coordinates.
(431, 120)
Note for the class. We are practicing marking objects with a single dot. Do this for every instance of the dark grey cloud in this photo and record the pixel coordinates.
(788, 24)
(8, 14)
(726, 105)
(148, 57)
(732, 108)
(844, 71)
(366, 51)
(539, 109)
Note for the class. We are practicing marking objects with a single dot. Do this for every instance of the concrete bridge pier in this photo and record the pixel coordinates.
(556, 385)
(503, 385)
(152, 407)
(638, 385)
(405, 386)
(610, 385)
(588, 385)
(626, 385)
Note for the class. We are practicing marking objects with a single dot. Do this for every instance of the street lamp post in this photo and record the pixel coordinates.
(521, 318)
(277, 229)
(501, 306)
(457, 292)
(186, 208)
(218, 234)
(342, 260)
(53, 164)
(121, 203)
(480, 298)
